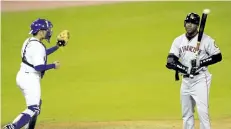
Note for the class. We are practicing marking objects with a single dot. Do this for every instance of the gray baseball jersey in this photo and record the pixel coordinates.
(195, 91)
(185, 49)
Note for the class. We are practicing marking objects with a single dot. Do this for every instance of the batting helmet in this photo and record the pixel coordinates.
(192, 18)
(41, 24)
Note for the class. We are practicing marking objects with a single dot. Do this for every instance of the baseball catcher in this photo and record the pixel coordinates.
(32, 69)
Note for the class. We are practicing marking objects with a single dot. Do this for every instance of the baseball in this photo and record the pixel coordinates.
(206, 11)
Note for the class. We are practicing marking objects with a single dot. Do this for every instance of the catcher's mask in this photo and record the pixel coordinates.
(42, 24)
(192, 18)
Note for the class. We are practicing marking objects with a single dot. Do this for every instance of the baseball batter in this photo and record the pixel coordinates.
(33, 67)
(194, 90)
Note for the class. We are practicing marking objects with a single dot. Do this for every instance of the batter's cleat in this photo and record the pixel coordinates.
(9, 126)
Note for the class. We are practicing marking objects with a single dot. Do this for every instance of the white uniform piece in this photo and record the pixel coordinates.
(195, 89)
(28, 79)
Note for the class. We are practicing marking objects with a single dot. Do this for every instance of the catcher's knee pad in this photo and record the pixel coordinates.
(32, 110)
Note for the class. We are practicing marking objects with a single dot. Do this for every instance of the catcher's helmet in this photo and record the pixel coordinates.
(192, 18)
(41, 24)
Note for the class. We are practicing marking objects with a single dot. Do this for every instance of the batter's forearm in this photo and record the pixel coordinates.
(211, 60)
(178, 66)
(173, 63)
(51, 50)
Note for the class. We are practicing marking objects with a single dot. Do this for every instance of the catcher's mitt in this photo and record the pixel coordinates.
(63, 37)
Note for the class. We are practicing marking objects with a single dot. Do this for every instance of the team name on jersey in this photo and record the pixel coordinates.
(188, 48)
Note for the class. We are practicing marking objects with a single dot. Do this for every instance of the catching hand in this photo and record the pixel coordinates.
(63, 38)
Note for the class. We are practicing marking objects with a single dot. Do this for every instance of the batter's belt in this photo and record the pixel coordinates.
(187, 75)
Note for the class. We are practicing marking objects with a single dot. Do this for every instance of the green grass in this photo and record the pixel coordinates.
(114, 65)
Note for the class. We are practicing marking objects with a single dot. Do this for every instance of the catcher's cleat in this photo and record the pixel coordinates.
(9, 126)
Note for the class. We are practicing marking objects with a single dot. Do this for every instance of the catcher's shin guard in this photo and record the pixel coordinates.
(32, 123)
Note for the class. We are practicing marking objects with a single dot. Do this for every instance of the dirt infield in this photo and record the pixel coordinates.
(11, 6)
(158, 124)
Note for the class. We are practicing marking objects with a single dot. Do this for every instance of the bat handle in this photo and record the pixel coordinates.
(193, 62)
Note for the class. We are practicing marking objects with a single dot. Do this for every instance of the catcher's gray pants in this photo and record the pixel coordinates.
(195, 92)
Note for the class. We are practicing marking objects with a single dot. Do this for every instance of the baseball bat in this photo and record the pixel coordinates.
(200, 34)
